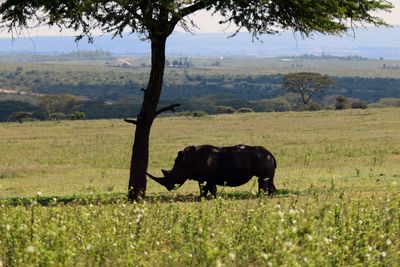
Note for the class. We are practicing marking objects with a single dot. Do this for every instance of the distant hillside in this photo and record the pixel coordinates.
(369, 42)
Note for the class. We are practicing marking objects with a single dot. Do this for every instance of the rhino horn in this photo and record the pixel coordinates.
(166, 173)
(161, 180)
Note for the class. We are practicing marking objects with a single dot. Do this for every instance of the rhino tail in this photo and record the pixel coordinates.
(275, 165)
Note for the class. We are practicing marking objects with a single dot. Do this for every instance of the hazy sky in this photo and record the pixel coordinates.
(203, 19)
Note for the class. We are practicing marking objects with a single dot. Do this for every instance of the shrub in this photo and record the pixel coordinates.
(77, 115)
(225, 110)
(313, 106)
(245, 110)
(342, 103)
(58, 116)
(20, 116)
(358, 104)
(196, 113)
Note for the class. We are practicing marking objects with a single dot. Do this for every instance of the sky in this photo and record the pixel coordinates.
(203, 19)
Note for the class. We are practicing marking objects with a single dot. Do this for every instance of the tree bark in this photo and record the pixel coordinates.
(140, 150)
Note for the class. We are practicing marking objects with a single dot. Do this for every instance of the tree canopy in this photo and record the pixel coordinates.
(147, 18)
(306, 84)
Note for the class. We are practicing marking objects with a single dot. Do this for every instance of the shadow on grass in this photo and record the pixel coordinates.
(115, 198)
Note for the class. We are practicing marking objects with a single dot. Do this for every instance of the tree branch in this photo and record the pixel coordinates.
(190, 10)
(134, 122)
(167, 108)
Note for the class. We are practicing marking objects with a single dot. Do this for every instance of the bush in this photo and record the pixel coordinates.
(77, 115)
(313, 106)
(196, 113)
(245, 110)
(58, 116)
(20, 116)
(225, 110)
(342, 103)
(358, 104)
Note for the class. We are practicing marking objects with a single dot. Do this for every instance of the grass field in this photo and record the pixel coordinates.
(63, 186)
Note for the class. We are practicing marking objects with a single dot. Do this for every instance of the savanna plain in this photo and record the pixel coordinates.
(63, 193)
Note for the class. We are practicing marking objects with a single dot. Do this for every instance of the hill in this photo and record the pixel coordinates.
(365, 43)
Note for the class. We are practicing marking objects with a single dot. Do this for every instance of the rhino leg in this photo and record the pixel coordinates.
(270, 182)
(262, 185)
(266, 185)
(207, 187)
(203, 190)
(213, 189)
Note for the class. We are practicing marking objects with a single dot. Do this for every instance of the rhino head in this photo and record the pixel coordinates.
(169, 181)
(176, 177)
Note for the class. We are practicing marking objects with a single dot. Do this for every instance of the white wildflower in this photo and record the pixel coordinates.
(281, 214)
(327, 240)
(292, 211)
(219, 263)
(190, 255)
(30, 249)
(288, 244)
(309, 237)
(269, 264)
(8, 227)
(388, 242)
(370, 248)
(39, 194)
(383, 254)
(89, 247)
(294, 229)
(264, 256)
(232, 256)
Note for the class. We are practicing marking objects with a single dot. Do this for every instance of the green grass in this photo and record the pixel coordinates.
(63, 188)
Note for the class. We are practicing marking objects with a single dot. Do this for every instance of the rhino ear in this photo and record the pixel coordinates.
(180, 155)
(191, 148)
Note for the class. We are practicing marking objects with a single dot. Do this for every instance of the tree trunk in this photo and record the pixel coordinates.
(140, 150)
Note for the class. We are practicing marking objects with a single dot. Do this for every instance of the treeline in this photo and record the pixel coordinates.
(117, 94)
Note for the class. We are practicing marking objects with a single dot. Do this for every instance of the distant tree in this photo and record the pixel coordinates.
(306, 84)
(156, 20)
(56, 103)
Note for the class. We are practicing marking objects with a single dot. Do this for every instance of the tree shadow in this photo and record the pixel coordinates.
(115, 198)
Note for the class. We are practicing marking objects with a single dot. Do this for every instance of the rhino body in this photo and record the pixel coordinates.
(229, 166)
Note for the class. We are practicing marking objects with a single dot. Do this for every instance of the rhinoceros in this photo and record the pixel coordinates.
(228, 166)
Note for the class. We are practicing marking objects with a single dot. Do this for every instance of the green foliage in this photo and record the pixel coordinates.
(77, 115)
(160, 17)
